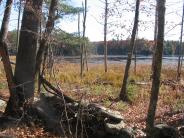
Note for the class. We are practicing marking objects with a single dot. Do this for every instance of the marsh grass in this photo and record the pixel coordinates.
(104, 87)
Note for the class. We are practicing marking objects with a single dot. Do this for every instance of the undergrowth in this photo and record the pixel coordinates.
(103, 88)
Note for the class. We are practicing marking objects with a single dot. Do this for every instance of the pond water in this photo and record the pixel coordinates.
(99, 59)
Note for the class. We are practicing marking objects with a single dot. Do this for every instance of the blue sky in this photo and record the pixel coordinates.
(94, 28)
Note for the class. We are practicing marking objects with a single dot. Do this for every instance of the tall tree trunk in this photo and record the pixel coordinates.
(135, 52)
(3, 45)
(18, 25)
(86, 55)
(5, 56)
(81, 55)
(180, 49)
(84, 33)
(46, 35)
(25, 61)
(155, 39)
(157, 66)
(82, 52)
(83, 46)
(123, 93)
(105, 35)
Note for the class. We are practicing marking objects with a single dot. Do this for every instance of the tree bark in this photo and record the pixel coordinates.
(5, 56)
(155, 38)
(123, 93)
(25, 61)
(105, 35)
(81, 55)
(180, 49)
(135, 52)
(3, 45)
(83, 46)
(157, 66)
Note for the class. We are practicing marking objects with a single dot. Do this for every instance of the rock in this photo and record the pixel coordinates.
(164, 131)
(124, 133)
(2, 105)
(127, 133)
(118, 130)
(103, 122)
(181, 131)
(114, 128)
(107, 113)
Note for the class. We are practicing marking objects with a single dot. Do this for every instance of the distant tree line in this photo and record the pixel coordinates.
(65, 44)
(143, 47)
(62, 43)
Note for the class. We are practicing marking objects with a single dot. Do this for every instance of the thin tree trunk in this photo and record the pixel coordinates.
(81, 58)
(5, 58)
(18, 26)
(84, 33)
(123, 93)
(105, 35)
(180, 49)
(3, 45)
(82, 55)
(86, 55)
(135, 53)
(46, 35)
(157, 66)
(83, 49)
(155, 39)
(135, 60)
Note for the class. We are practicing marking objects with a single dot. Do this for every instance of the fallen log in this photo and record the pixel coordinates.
(93, 119)
(114, 115)
(75, 117)
(55, 90)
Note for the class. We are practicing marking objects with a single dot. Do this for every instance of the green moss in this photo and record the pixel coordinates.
(132, 91)
(3, 86)
(121, 106)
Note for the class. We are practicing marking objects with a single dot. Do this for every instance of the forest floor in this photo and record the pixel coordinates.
(103, 88)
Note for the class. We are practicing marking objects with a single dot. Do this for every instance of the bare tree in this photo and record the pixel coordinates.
(81, 58)
(123, 93)
(3, 44)
(4, 51)
(157, 66)
(135, 53)
(84, 33)
(18, 25)
(105, 35)
(180, 49)
(83, 46)
(155, 39)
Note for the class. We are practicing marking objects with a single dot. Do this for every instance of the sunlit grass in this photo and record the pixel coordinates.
(104, 87)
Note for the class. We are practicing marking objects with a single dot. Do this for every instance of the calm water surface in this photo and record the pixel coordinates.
(167, 60)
